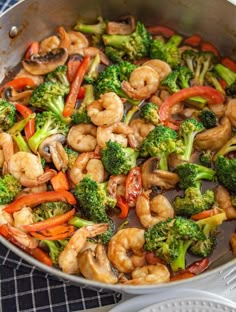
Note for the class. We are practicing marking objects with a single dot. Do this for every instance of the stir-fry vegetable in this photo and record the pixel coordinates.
(101, 169)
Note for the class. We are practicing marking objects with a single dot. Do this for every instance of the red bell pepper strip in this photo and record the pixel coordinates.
(205, 214)
(229, 63)
(51, 222)
(35, 199)
(72, 66)
(161, 30)
(25, 112)
(55, 233)
(152, 258)
(181, 276)
(75, 86)
(32, 49)
(223, 83)
(198, 267)
(37, 253)
(208, 47)
(210, 94)
(124, 207)
(133, 186)
(19, 83)
(81, 93)
(60, 182)
(193, 41)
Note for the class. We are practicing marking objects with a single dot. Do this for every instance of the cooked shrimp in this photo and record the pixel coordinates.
(78, 41)
(65, 40)
(28, 170)
(68, 261)
(5, 217)
(37, 79)
(143, 82)
(87, 164)
(107, 110)
(48, 44)
(162, 68)
(82, 138)
(23, 238)
(116, 185)
(23, 217)
(117, 132)
(94, 265)
(125, 249)
(35, 189)
(149, 274)
(151, 212)
(141, 128)
(7, 147)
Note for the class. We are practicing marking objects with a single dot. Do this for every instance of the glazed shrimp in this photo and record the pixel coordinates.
(68, 261)
(107, 110)
(150, 212)
(87, 164)
(28, 170)
(82, 138)
(117, 132)
(23, 238)
(48, 44)
(78, 41)
(143, 82)
(116, 185)
(7, 150)
(94, 265)
(122, 244)
(23, 217)
(149, 274)
(141, 129)
(5, 217)
(162, 68)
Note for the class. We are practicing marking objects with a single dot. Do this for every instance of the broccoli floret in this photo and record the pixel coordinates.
(72, 156)
(205, 158)
(110, 80)
(149, 112)
(118, 159)
(209, 226)
(55, 247)
(7, 115)
(47, 123)
(193, 202)
(128, 47)
(50, 97)
(97, 29)
(167, 51)
(226, 172)
(160, 142)
(212, 79)
(80, 114)
(94, 202)
(199, 63)
(92, 73)
(171, 239)
(208, 118)
(188, 130)
(102, 238)
(228, 76)
(48, 210)
(179, 79)
(59, 75)
(9, 188)
(192, 174)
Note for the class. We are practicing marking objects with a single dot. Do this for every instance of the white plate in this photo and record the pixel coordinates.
(163, 301)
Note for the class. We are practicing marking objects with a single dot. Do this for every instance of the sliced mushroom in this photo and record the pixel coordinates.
(213, 139)
(94, 265)
(231, 112)
(45, 63)
(151, 176)
(51, 149)
(223, 199)
(13, 96)
(126, 26)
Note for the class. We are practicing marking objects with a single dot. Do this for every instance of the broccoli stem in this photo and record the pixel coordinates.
(20, 142)
(97, 29)
(225, 73)
(115, 41)
(175, 40)
(130, 114)
(188, 142)
(79, 222)
(122, 94)
(179, 262)
(163, 164)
